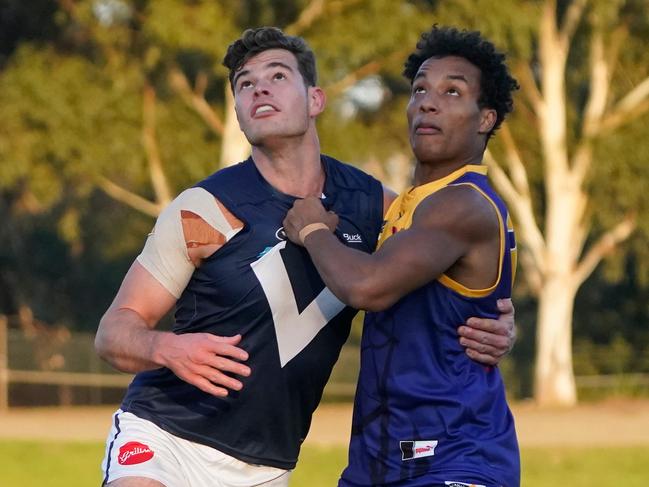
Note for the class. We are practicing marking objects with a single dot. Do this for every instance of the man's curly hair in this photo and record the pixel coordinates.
(254, 41)
(496, 84)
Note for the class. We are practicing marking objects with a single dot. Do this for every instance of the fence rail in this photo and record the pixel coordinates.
(77, 376)
(87, 379)
(612, 381)
(80, 377)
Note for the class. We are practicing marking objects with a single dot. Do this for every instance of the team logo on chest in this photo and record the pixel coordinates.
(280, 235)
(354, 238)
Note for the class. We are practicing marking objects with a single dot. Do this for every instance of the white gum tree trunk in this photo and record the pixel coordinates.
(555, 259)
(554, 379)
(234, 146)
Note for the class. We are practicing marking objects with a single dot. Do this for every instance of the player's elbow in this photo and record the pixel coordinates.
(367, 295)
(105, 344)
(107, 349)
(102, 342)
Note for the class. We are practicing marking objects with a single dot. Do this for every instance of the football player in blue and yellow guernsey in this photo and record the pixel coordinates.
(424, 413)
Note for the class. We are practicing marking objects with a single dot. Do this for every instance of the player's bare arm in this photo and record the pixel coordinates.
(485, 340)
(127, 338)
(452, 232)
(488, 340)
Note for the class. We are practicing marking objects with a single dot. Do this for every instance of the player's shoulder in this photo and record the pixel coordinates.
(226, 175)
(237, 185)
(458, 206)
(192, 196)
(198, 203)
(192, 199)
(347, 176)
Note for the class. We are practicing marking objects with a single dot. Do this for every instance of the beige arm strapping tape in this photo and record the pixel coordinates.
(165, 252)
(309, 229)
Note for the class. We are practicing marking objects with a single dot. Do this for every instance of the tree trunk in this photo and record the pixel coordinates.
(234, 146)
(554, 379)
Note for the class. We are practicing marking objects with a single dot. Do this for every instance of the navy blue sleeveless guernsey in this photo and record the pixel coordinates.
(424, 413)
(266, 289)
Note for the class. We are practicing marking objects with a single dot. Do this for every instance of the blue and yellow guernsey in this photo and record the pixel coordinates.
(424, 413)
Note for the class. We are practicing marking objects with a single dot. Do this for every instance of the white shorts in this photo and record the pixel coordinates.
(138, 448)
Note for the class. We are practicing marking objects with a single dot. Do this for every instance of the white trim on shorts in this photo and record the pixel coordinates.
(136, 447)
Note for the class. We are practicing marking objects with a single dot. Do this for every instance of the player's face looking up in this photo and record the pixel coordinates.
(445, 123)
(272, 100)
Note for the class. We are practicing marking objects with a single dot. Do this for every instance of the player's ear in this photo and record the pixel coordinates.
(488, 118)
(317, 100)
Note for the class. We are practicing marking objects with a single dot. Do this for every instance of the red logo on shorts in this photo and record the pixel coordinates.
(134, 452)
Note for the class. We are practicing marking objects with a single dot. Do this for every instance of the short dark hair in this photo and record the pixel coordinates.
(254, 41)
(496, 84)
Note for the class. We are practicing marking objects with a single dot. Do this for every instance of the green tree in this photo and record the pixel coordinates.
(110, 107)
(582, 69)
(129, 98)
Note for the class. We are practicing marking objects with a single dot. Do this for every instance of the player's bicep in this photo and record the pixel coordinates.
(434, 242)
(192, 227)
(142, 293)
(416, 256)
(165, 254)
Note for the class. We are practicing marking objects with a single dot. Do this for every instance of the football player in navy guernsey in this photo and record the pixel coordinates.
(226, 397)
(424, 413)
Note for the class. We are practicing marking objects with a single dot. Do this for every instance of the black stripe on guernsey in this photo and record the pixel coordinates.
(110, 450)
(303, 277)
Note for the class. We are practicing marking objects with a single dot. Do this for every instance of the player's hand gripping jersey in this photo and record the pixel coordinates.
(266, 289)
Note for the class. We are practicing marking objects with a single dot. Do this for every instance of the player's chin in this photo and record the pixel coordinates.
(426, 152)
(263, 133)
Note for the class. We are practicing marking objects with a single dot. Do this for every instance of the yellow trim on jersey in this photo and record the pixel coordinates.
(399, 217)
(479, 293)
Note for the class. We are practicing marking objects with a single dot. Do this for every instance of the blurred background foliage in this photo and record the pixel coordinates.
(110, 107)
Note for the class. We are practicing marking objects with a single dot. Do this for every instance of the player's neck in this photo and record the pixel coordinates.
(293, 169)
(426, 172)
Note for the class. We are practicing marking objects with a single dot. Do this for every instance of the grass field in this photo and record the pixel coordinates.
(74, 464)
